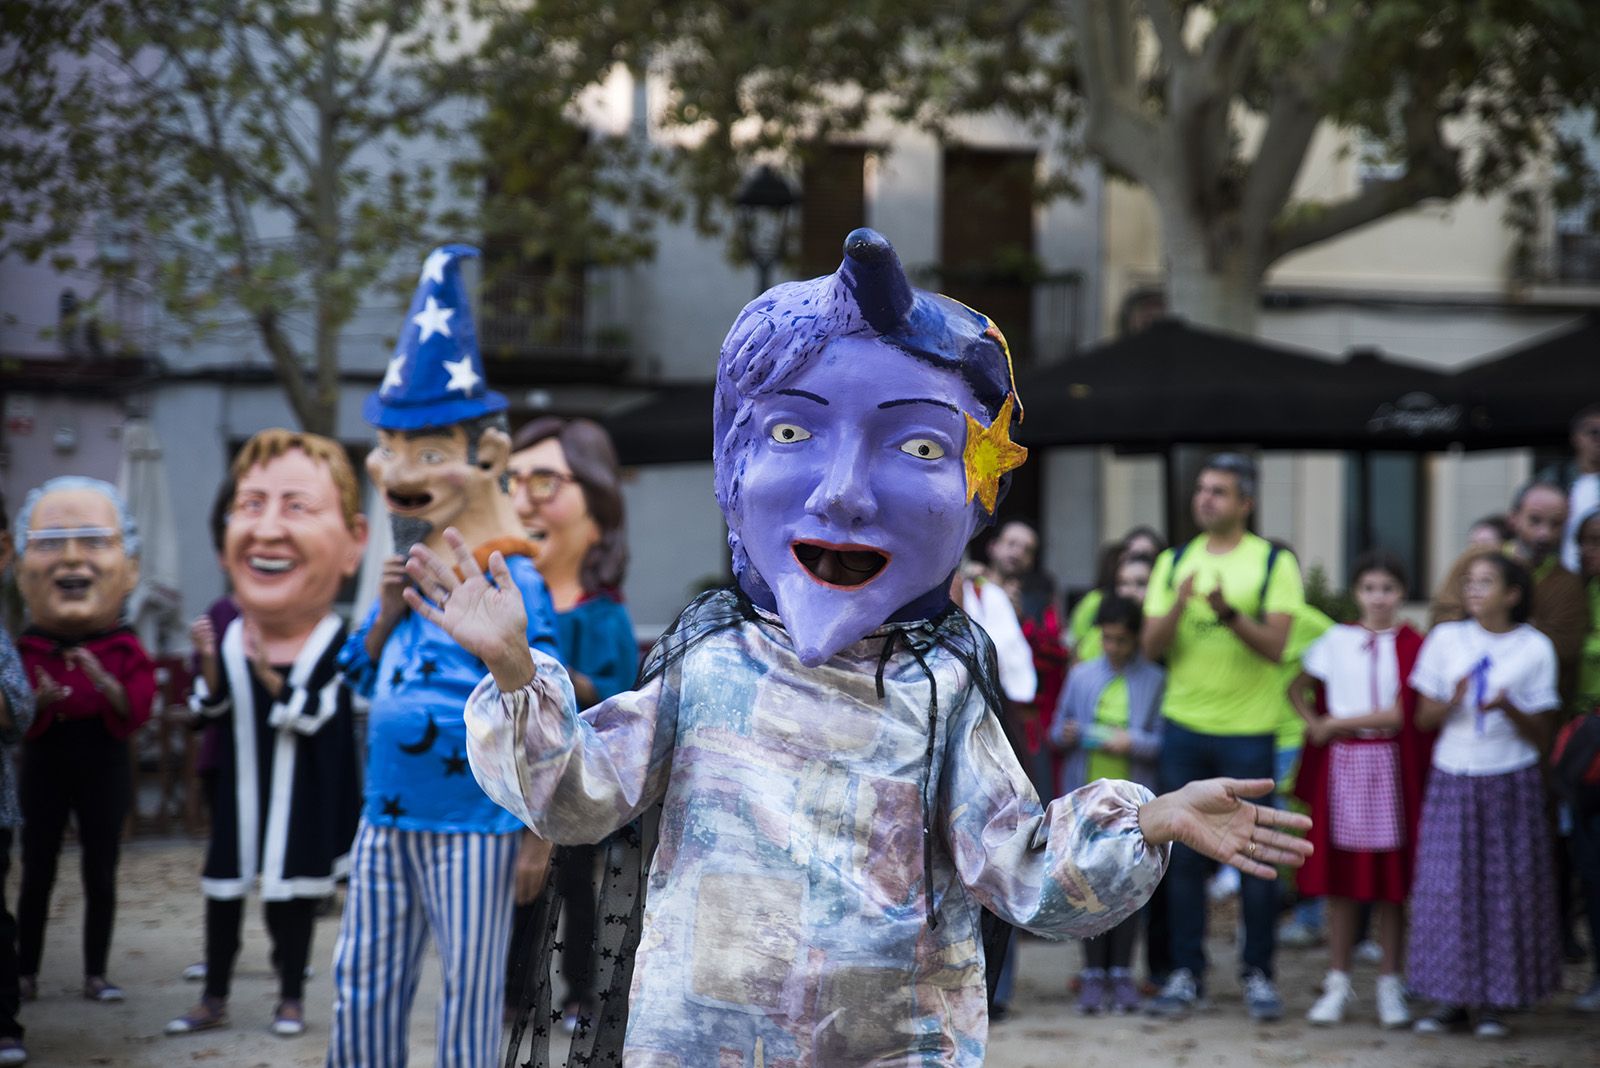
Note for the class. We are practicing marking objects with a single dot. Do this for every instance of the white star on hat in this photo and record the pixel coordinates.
(433, 266)
(462, 376)
(433, 319)
(391, 377)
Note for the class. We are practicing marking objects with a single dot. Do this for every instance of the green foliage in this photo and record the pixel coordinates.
(1211, 104)
(279, 160)
(1335, 603)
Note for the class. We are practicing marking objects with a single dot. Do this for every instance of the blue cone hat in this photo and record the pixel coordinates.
(435, 378)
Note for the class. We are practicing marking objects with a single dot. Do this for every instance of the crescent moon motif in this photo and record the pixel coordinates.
(425, 743)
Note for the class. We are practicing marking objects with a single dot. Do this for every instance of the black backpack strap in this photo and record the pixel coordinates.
(1266, 581)
(1172, 572)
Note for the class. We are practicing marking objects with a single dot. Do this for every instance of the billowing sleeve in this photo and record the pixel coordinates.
(572, 779)
(1074, 869)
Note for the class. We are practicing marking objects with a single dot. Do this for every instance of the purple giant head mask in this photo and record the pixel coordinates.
(862, 435)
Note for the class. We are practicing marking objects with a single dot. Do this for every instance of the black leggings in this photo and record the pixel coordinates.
(1114, 949)
(574, 875)
(74, 768)
(290, 925)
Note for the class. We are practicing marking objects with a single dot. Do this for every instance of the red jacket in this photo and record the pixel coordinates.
(124, 658)
(1416, 758)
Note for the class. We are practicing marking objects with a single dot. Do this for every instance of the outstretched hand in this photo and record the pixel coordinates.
(486, 618)
(1211, 816)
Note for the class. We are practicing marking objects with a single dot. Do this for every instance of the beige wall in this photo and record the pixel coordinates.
(1462, 248)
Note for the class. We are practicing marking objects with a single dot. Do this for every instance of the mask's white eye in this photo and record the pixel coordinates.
(923, 449)
(788, 433)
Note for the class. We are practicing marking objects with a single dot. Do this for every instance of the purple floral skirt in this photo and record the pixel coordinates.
(1483, 904)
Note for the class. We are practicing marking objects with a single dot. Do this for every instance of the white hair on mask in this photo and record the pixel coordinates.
(125, 520)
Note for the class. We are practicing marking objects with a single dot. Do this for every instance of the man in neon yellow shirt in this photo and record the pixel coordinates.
(1218, 612)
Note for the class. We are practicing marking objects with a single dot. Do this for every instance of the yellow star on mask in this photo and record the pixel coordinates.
(989, 454)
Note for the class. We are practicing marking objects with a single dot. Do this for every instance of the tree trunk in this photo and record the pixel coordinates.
(1210, 283)
(325, 195)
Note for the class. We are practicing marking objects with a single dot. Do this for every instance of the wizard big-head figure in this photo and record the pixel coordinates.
(443, 440)
(863, 435)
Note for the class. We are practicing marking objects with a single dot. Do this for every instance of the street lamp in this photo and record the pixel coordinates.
(764, 201)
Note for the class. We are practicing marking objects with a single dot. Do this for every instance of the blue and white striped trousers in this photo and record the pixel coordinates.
(405, 886)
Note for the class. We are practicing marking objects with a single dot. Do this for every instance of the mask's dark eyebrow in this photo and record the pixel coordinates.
(921, 400)
(803, 393)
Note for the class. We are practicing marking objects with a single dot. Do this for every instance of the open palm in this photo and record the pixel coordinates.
(1212, 816)
(486, 618)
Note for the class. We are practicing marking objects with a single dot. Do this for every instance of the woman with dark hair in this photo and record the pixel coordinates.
(1484, 937)
(568, 493)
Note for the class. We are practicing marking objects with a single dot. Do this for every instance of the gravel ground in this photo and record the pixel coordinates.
(159, 932)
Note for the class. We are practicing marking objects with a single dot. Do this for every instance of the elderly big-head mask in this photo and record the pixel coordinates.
(78, 556)
(863, 434)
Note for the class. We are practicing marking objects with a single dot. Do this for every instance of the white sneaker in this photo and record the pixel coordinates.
(1369, 952)
(1336, 997)
(1223, 885)
(1298, 935)
(1392, 1008)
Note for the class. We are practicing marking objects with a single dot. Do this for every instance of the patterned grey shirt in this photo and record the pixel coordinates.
(19, 702)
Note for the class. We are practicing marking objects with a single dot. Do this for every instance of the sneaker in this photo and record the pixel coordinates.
(1491, 1026)
(289, 1019)
(1589, 1000)
(1125, 997)
(12, 1051)
(1442, 1020)
(195, 973)
(1297, 934)
(1092, 998)
(576, 1016)
(1261, 997)
(208, 1015)
(1392, 1009)
(1369, 952)
(1179, 998)
(1223, 885)
(98, 988)
(1329, 1009)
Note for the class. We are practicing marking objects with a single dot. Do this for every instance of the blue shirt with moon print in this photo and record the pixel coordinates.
(417, 775)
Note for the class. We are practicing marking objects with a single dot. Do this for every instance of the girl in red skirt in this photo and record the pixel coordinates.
(1362, 773)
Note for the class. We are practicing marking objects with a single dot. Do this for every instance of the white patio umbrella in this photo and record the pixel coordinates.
(155, 608)
(380, 546)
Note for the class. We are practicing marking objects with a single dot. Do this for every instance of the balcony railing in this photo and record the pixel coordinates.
(1041, 315)
(549, 317)
(1577, 258)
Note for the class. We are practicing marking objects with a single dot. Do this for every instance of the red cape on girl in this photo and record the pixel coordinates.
(1334, 872)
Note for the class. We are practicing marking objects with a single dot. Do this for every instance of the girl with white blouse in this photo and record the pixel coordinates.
(1484, 939)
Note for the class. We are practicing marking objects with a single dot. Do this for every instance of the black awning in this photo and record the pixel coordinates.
(1178, 383)
(672, 426)
(1528, 395)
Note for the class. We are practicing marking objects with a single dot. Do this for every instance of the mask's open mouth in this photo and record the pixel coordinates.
(269, 566)
(845, 567)
(74, 587)
(408, 502)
